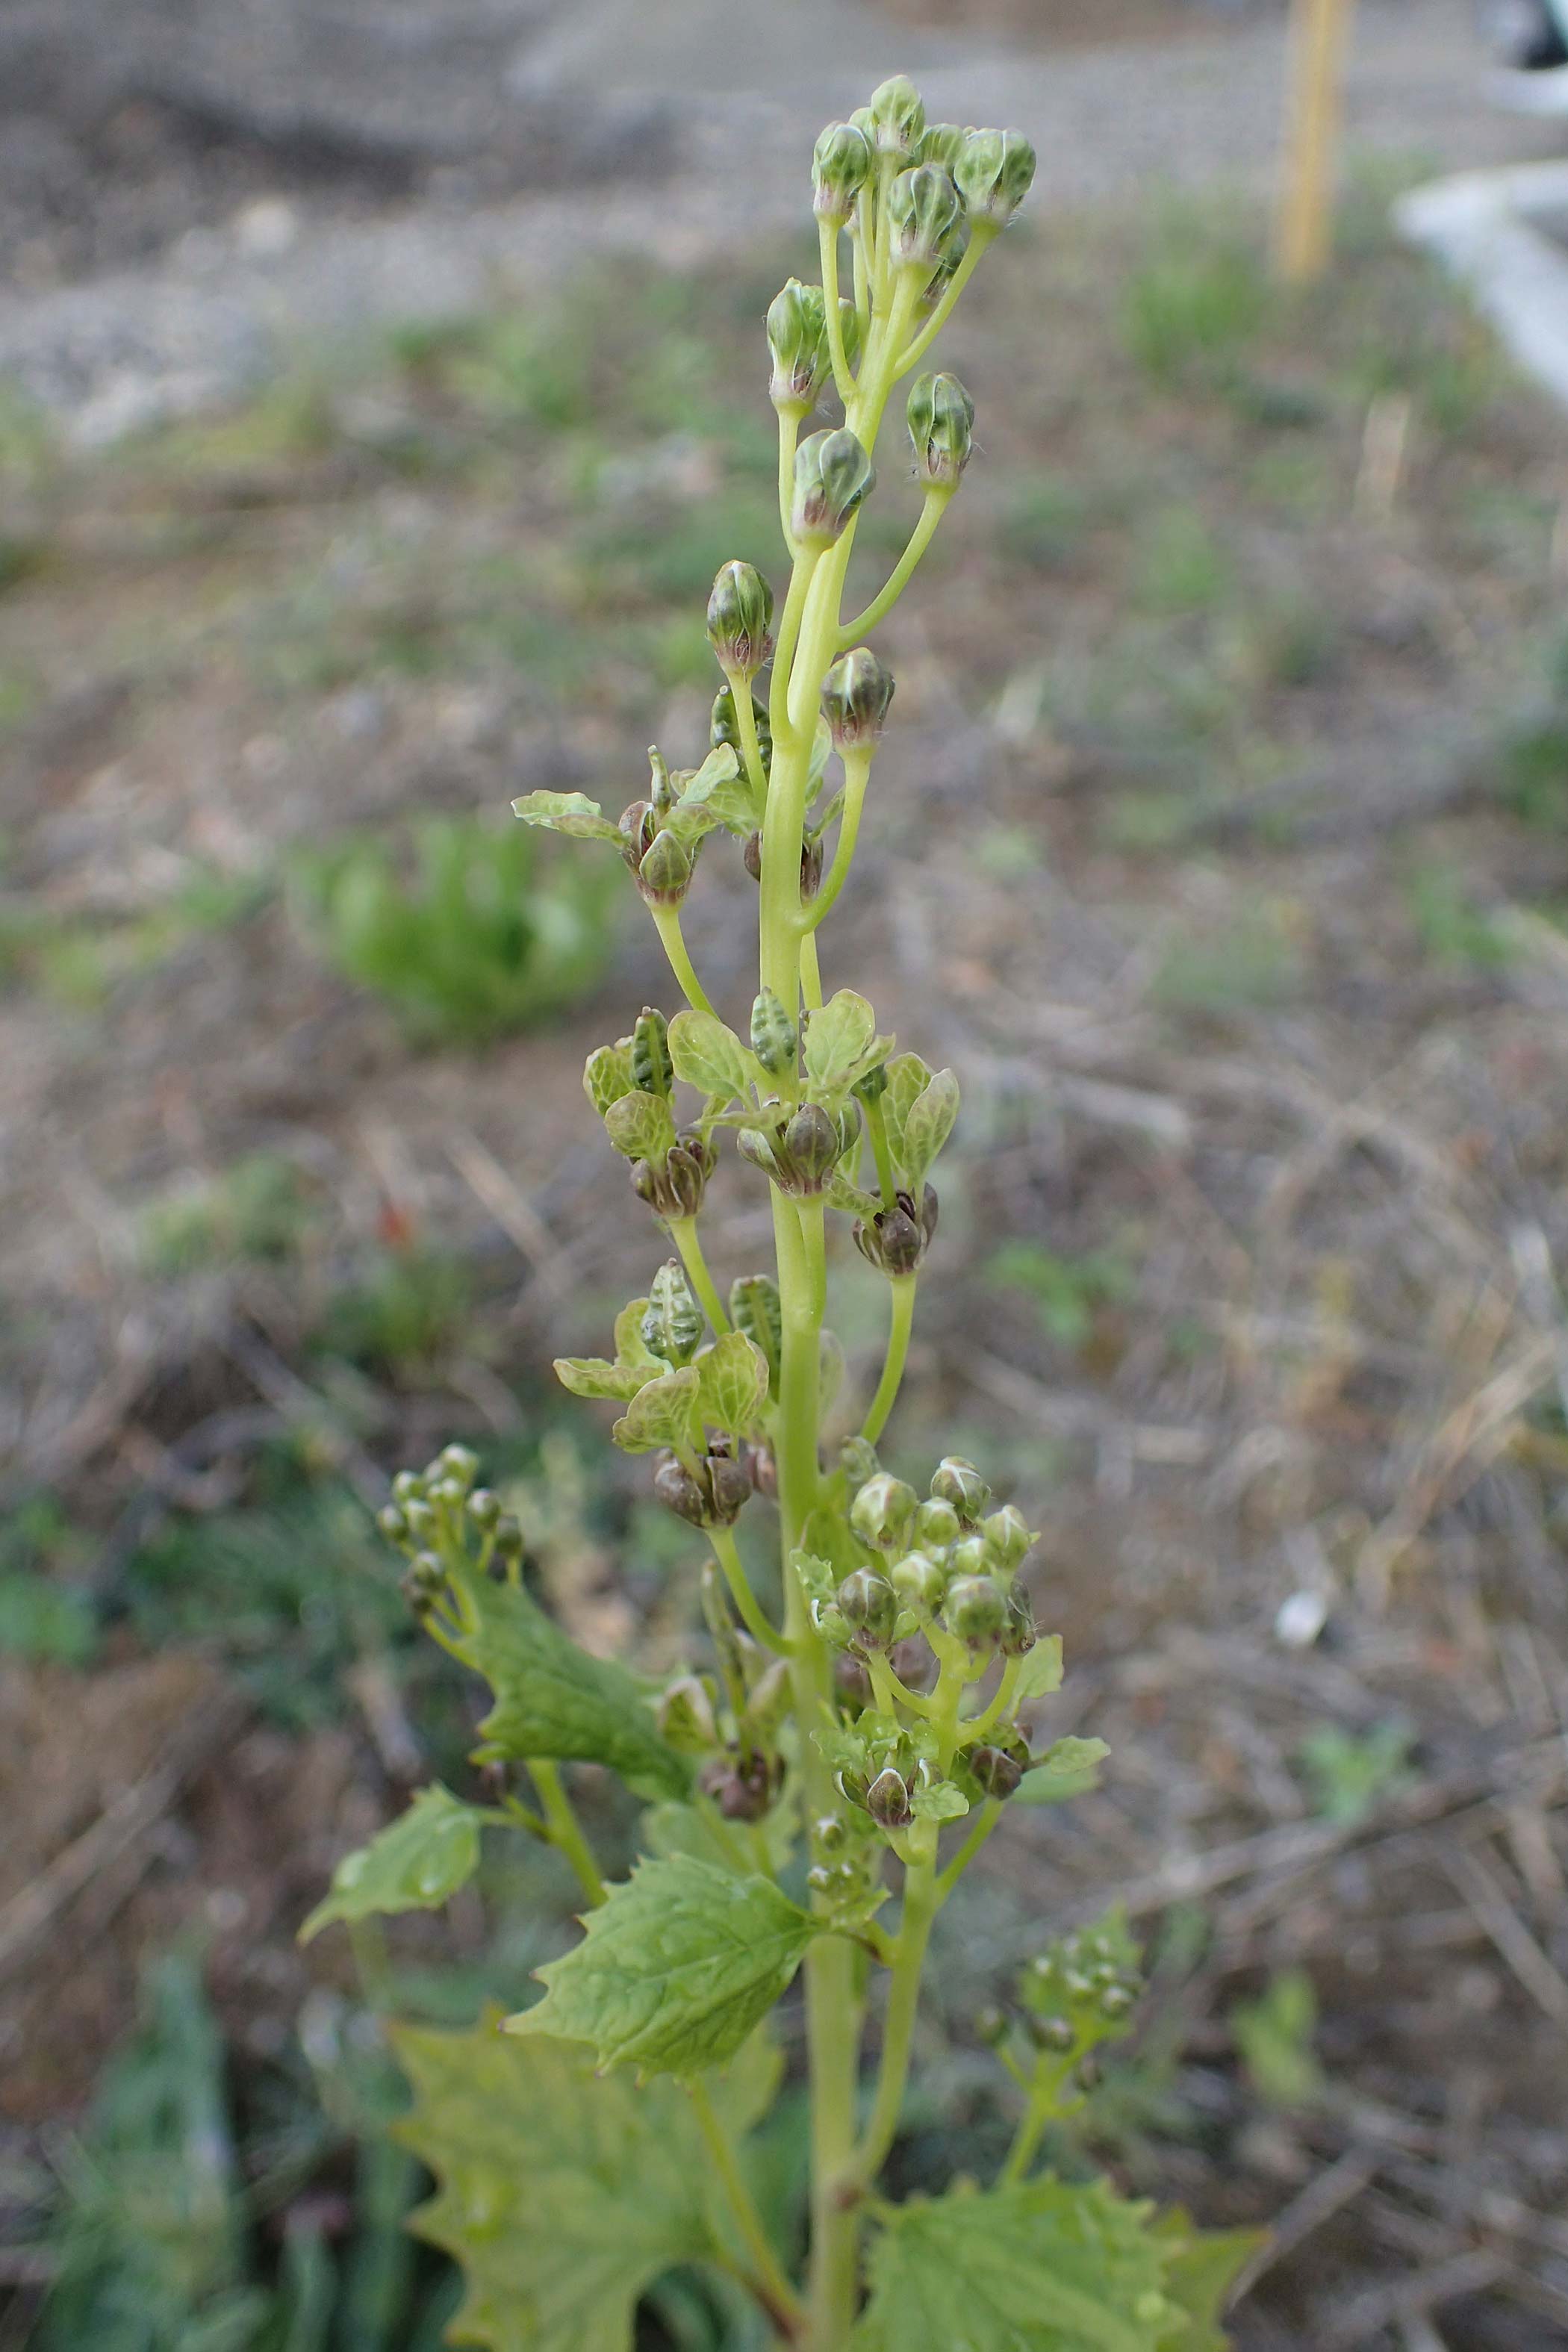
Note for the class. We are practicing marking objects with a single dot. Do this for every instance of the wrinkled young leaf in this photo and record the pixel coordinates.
(591, 1376)
(908, 1077)
(835, 1040)
(607, 1075)
(572, 813)
(675, 1970)
(413, 1864)
(1070, 1769)
(561, 2195)
(640, 1125)
(552, 1699)
(631, 1347)
(941, 1802)
(1051, 2266)
(709, 1055)
(663, 1412)
(731, 802)
(1202, 2267)
(732, 1377)
(1040, 1671)
(929, 1124)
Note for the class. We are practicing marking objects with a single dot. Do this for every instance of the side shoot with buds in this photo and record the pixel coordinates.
(859, 1745)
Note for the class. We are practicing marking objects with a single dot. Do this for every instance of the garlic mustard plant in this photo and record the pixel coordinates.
(819, 1784)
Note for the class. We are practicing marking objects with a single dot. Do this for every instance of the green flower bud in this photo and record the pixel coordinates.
(685, 1716)
(484, 1507)
(1055, 2035)
(883, 1512)
(739, 612)
(420, 1520)
(798, 338)
(873, 1085)
(1007, 1539)
(423, 1582)
(754, 1309)
(943, 276)
(833, 477)
(775, 1040)
(461, 1462)
(897, 117)
(869, 1606)
(686, 1169)
(969, 1557)
(1020, 1633)
(447, 1493)
(722, 729)
(652, 1069)
(895, 1240)
(994, 170)
(923, 210)
(857, 1459)
(830, 1833)
(672, 1325)
(974, 1610)
(393, 1523)
(959, 1483)
(941, 421)
(509, 1540)
(887, 1801)
(997, 1772)
(991, 2025)
(855, 694)
(407, 1487)
(807, 1152)
(664, 871)
(918, 1580)
(840, 166)
(679, 1491)
(942, 144)
(936, 1525)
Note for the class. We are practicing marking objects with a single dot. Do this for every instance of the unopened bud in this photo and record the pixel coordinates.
(829, 1833)
(997, 1772)
(1006, 1538)
(798, 338)
(969, 1557)
(484, 1508)
(722, 727)
(974, 1610)
(808, 1152)
(407, 1487)
(672, 1323)
(775, 1039)
(897, 117)
(887, 1801)
(420, 1520)
(1055, 2035)
(993, 171)
(936, 1525)
(918, 1579)
(1019, 1634)
(855, 694)
(857, 1459)
(652, 1068)
(685, 1716)
(755, 1309)
(685, 1183)
(890, 1240)
(942, 144)
(739, 611)
(870, 1606)
(679, 1491)
(924, 209)
(762, 1470)
(840, 166)
(940, 418)
(393, 1523)
(992, 2026)
(664, 871)
(728, 1488)
(461, 1462)
(509, 1538)
(959, 1483)
(833, 477)
(883, 1512)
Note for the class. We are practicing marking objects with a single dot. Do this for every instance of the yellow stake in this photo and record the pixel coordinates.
(1320, 31)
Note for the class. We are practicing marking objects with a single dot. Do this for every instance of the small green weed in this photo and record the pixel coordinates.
(43, 1615)
(1274, 2035)
(1249, 964)
(405, 1316)
(1068, 1293)
(485, 936)
(1194, 305)
(259, 1209)
(1181, 567)
(1451, 927)
(1349, 1772)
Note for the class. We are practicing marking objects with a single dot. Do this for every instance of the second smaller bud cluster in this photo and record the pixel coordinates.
(947, 1562)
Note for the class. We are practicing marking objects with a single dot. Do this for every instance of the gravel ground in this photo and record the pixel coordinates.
(185, 190)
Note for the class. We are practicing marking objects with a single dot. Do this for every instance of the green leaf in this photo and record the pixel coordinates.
(927, 1128)
(1070, 1769)
(709, 1055)
(941, 1803)
(413, 1864)
(675, 1970)
(572, 813)
(640, 1125)
(1202, 2267)
(631, 1348)
(607, 1075)
(562, 2196)
(662, 1412)
(591, 1376)
(908, 1077)
(836, 1038)
(1041, 1671)
(733, 1383)
(1050, 2266)
(552, 1699)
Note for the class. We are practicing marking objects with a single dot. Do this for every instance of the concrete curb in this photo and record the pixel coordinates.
(1486, 226)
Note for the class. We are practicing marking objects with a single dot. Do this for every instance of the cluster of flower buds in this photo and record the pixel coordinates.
(940, 418)
(948, 1562)
(438, 1518)
(660, 862)
(845, 1871)
(740, 618)
(631, 1085)
(925, 212)
(895, 1240)
(992, 171)
(710, 1491)
(801, 1150)
(832, 478)
(841, 164)
(741, 1769)
(856, 697)
(1077, 1994)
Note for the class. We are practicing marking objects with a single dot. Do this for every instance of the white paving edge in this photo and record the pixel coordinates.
(1479, 224)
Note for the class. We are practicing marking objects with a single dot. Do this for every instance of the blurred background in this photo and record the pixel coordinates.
(381, 385)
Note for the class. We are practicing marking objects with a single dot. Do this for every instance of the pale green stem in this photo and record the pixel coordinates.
(890, 1693)
(778, 2298)
(898, 2031)
(744, 1598)
(563, 1827)
(746, 728)
(886, 173)
(856, 769)
(683, 1231)
(827, 239)
(785, 646)
(813, 1225)
(935, 507)
(980, 239)
(1025, 2142)
(862, 278)
(985, 1823)
(976, 1725)
(900, 1317)
(789, 434)
(666, 920)
(876, 1126)
(810, 974)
